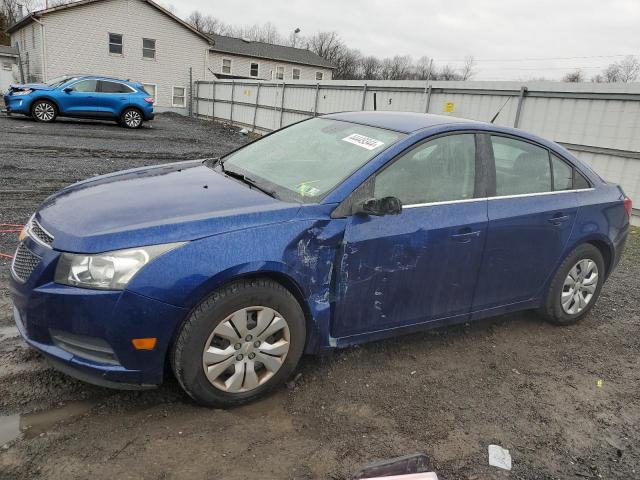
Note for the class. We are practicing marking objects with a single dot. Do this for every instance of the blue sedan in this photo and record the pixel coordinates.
(337, 230)
(82, 97)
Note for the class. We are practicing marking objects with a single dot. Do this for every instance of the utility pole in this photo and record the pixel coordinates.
(295, 37)
(430, 67)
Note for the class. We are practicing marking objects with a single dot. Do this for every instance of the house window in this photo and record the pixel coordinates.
(178, 96)
(296, 74)
(148, 48)
(319, 75)
(226, 65)
(279, 73)
(254, 70)
(115, 43)
(151, 89)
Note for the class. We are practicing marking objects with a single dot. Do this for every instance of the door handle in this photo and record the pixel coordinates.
(465, 235)
(558, 219)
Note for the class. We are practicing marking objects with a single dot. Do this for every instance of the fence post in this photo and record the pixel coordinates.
(255, 110)
(523, 92)
(233, 85)
(364, 96)
(190, 109)
(284, 85)
(428, 102)
(315, 103)
(197, 98)
(213, 99)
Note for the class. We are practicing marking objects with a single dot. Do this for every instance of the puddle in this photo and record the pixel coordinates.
(31, 425)
(9, 332)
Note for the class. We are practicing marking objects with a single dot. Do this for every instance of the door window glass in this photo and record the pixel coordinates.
(562, 174)
(85, 86)
(521, 167)
(440, 170)
(579, 181)
(114, 87)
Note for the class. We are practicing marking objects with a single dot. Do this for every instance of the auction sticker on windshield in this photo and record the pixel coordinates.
(363, 141)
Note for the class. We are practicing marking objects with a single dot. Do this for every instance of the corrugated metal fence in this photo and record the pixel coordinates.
(600, 123)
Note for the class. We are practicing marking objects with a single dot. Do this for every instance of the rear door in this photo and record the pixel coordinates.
(79, 98)
(420, 265)
(531, 213)
(113, 97)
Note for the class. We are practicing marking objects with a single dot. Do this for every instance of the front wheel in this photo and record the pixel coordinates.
(575, 286)
(240, 343)
(44, 111)
(131, 118)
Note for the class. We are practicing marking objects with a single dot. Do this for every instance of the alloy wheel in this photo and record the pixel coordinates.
(132, 118)
(579, 287)
(44, 112)
(246, 349)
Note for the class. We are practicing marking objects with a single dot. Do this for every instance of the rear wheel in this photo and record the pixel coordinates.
(131, 118)
(44, 111)
(240, 343)
(576, 286)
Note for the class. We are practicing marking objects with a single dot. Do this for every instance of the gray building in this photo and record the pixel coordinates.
(142, 41)
(9, 71)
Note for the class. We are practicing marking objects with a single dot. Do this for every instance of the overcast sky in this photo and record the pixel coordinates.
(498, 33)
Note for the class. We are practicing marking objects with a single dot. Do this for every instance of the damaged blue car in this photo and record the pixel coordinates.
(334, 231)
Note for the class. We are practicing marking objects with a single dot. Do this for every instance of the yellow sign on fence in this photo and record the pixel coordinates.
(448, 107)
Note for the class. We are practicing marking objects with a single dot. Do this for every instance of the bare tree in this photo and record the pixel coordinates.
(207, 23)
(422, 69)
(468, 70)
(629, 69)
(576, 76)
(370, 68)
(447, 72)
(328, 45)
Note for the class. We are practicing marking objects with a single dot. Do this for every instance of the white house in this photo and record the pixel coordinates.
(144, 42)
(8, 67)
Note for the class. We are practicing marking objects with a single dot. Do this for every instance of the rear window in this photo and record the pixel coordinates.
(114, 87)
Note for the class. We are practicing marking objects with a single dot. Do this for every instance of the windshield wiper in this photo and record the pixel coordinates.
(249, 181)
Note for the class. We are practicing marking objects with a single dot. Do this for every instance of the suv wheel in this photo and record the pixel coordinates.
(240, 343)
(576, 286)
(44, 111)
(131, 118)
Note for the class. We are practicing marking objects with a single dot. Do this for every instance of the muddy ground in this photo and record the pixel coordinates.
(564, 401)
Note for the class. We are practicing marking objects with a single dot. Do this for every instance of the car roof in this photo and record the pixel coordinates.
(405, 122)
(99, 77)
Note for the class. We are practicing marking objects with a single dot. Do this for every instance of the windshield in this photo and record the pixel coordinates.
(56, 82)
(307, 160)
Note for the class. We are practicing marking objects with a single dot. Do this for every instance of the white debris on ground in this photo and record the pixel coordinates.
(499, 457)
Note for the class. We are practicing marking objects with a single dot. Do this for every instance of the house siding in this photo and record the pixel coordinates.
(77, 41)
(29, 42)
(241, 66)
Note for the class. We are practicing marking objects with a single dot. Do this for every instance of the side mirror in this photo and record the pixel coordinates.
(67, 89)
(379, 206)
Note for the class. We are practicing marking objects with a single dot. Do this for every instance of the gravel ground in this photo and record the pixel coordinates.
(564, 401)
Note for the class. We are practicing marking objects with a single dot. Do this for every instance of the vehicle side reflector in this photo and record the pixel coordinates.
(628, 206)
(144, 343)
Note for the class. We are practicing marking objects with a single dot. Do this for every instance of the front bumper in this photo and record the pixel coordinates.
(87, 333)
(17, 104)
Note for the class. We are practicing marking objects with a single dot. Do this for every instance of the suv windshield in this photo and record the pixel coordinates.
(56, 82)
(307, 160)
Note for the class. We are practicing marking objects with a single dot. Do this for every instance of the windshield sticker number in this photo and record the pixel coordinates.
(363, 141)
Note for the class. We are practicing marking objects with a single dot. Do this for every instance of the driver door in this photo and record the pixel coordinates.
(421, 265)
(81, 98)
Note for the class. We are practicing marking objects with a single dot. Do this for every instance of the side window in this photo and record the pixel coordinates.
(520, 167)
(562, 174)
(113, 87)
(226, 65)
(85, 86)
(279, 73)
(295, 74)
(439, 170)
(148, 48)
(253, 70)
(579, 181)
(115, 43)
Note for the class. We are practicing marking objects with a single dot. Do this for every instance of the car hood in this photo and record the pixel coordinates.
(30, 86)
(152, 205)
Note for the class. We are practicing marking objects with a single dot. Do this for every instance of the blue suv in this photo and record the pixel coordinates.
(82, 97)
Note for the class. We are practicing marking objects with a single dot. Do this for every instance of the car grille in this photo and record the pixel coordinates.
(40, 234)
(24, 263)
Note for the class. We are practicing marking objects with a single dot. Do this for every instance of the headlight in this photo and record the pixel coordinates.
(107, 271)
(21, 92)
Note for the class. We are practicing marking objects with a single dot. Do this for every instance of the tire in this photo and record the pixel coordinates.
(215, 338)
(583, 262)
(44, 111)
(131, 118)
